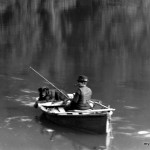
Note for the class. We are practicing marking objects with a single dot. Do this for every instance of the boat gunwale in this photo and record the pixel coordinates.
(98, 112)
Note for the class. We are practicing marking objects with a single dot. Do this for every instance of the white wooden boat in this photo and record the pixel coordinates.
(96, 120)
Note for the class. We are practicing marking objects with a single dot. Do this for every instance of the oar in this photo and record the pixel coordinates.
(49, 82)
(99, 103)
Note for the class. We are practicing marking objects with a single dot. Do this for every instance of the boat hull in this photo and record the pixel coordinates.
(97, 123)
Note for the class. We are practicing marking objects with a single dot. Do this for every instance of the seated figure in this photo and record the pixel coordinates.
(82, 95)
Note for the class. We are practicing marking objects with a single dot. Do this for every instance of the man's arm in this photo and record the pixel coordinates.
(76, 96)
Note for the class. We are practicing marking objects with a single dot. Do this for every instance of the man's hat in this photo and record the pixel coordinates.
(82, 78)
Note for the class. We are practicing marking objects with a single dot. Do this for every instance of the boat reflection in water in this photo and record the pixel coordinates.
(79, 140)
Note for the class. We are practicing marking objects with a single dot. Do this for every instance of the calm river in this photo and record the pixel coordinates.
(107, 42)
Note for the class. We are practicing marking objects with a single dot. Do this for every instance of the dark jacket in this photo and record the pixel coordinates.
(81, 98)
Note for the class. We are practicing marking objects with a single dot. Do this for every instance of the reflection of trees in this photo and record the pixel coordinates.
(29, 26)
(87, 31)
(110, 30)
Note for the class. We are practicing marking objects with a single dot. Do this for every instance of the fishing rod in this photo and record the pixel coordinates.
(49, 82)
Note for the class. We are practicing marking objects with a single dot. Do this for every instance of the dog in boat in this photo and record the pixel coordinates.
(46, 94)
(49, 95)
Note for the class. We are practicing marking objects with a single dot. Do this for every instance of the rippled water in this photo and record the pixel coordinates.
(109, 43)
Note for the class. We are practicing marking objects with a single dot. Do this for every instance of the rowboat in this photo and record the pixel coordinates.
(96, 120)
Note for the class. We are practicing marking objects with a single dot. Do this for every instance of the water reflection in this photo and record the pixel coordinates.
(69, 36)
(11, 122)
(104, 39)
(78, 140)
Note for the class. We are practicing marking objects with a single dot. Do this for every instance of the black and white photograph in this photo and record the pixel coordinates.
(75, 74)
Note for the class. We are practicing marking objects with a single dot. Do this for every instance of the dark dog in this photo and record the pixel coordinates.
(46, 94)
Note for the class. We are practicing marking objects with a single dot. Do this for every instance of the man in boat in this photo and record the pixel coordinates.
(82, 95)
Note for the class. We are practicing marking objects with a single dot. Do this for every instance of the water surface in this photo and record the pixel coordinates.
(108, 42)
